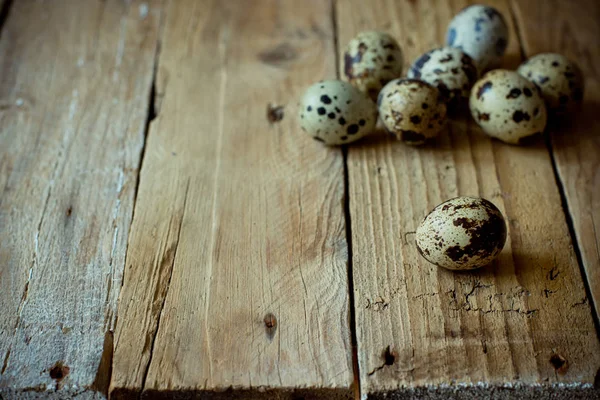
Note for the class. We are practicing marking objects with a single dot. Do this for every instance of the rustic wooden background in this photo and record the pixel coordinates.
(159, 235)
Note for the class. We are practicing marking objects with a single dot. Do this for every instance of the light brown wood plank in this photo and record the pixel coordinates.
(237, 218)
(573, 29)
(426, 331)
(74, 88)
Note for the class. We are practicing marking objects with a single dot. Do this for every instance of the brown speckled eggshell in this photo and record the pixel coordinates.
(507, 106)
(559, 79)
(462, 233)
(450, 70)
(411, 110)
(371, 60)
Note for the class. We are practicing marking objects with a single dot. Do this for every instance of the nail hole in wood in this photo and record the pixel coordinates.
(270, 325)
(389, 356)
(274, 113)
(559, 363)
(59, 371)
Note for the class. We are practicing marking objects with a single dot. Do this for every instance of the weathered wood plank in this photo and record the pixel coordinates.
(573, 29)
(236, 270)
(425, 331)
(74, 87)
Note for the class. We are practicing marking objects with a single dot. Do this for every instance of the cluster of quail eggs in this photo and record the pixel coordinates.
(462, 233)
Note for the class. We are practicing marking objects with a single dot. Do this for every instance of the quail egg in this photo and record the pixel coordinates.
(411, 110)
(462, 233)
(481, 32)
(559, 79)
(450, 70)
(371, 60)
(507, 106)
(335, 112)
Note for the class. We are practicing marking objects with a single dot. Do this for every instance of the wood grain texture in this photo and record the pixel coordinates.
(518, 327)
(236, 275)
(73, 102)
(573, 29)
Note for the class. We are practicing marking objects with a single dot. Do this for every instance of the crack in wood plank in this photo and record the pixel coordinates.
(169, 260)
(30, 274)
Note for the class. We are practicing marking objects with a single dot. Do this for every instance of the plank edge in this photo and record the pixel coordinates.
(245, 393)
(482, 390)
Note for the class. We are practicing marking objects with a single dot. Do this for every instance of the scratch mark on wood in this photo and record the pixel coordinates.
(223, 44)
(34, 262)
(583, 302)
(5, 364)
(553, 274)
(109, 321)
(120, 49)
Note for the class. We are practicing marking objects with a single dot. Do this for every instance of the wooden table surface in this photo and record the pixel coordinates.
(160, 235)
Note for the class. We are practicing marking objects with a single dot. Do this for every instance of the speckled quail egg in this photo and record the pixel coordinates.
(559, 79)
(335, 112)
(371, 60)
(450, 70)
(507, 106)
(411, 110)
(462, 233)
(481, 32)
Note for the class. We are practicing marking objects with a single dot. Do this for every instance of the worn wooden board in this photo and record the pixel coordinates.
(236, 273)
(73, 102)
(573, 29)
(520, 327)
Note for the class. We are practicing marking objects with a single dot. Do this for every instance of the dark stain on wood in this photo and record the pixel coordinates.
(279, 55)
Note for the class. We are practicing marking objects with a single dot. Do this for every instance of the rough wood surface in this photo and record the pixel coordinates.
(236, 271)
(573, 29)
(73, 101)
(521, 326)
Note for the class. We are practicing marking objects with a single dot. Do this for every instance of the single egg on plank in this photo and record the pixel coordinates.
(450, 70)
(411, 110)
(371, 60)
(559, 79)
(481, 32)
(507, 106)
(462, 233)
(335, 112)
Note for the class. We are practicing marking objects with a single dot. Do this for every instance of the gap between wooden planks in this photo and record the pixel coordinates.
(520, 327)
